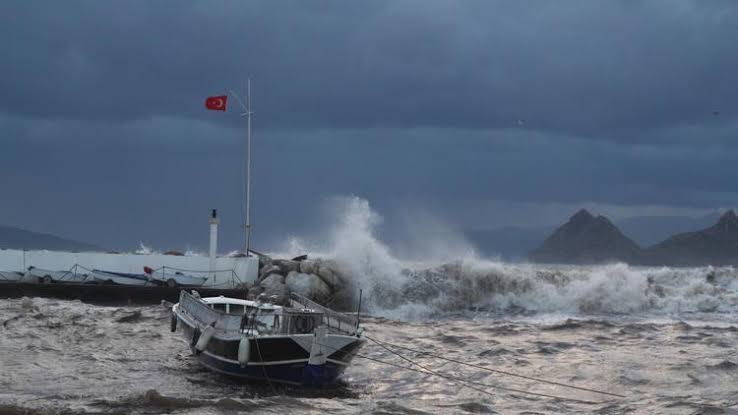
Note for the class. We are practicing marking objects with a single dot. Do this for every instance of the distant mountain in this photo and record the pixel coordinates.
(586, 239)
(649, 230)
(15, 238)
(716, 245)
(516, 242)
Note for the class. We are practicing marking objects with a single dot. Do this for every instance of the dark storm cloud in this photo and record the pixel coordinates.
(405, 103)
(120, 185)
(592, 68)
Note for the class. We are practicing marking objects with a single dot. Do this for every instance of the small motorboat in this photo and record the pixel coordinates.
(303, 343)
(109, 277)
(172, 278)
(45, 276)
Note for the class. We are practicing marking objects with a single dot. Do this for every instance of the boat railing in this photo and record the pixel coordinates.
(206, 315)
(343, 323)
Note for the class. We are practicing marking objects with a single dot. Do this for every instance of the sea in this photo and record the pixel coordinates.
(452, 333)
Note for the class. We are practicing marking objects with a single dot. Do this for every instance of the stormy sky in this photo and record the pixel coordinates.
(478, 114)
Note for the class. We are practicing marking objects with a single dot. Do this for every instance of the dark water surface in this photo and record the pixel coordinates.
(69, 357)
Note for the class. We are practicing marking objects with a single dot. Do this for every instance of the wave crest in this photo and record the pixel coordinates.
(472, 283)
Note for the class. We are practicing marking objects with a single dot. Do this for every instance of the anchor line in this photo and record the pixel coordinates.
(251, 328)
(464, 382)
(502, 372)
(263, 367)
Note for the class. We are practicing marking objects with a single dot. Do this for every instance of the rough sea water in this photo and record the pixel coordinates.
(664, 339)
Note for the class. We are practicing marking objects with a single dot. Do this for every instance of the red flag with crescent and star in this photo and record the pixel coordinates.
(216, 103)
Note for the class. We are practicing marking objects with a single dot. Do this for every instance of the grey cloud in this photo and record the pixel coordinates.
(586, 68)
(405, 103)
(104, 178)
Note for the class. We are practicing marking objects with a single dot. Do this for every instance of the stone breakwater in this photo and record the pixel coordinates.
(322, 280)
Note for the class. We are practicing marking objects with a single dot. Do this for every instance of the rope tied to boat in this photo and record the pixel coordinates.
(465, 382)
(251, 321)
(501, 372)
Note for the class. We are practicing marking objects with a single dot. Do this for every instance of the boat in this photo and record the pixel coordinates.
(45, 276)
(301, 343)
(295, 342)
(172, 278)
(11, 276)
(110, 277)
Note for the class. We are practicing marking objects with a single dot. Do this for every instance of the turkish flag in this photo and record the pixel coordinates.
(216, 103)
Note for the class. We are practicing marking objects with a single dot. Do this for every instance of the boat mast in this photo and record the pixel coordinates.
(248, 167)
(247, 113)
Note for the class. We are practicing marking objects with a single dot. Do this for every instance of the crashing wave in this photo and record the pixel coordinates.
(471, 283)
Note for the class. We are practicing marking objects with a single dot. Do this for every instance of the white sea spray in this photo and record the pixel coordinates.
(454, 278)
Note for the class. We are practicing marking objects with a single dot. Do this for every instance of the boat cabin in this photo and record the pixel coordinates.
(234, 315)
(267, 318)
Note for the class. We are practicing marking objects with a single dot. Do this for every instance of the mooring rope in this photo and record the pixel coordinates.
(464, 382)
(502, 372)
(263, 366)
(250, 330)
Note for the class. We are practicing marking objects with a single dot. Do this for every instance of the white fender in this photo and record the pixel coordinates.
(204, 339)
(244, 351)
(317, 356)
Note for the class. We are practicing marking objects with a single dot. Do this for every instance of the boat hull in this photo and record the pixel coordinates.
(106, 277)
(278, 359)
(178, 279)
(299, 373)
(11, 276)
(48, 276)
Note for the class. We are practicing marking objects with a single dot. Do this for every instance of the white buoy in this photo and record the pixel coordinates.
(244, 351)
(317, 355)
(204, 339)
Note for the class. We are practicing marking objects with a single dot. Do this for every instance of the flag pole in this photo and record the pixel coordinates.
(247, 112)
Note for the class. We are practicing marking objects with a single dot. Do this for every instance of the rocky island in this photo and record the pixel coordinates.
(589, 239)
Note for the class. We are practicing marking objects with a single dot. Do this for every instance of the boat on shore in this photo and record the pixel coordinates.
(173, 278)
(300, 343)
(45, 276)
(120, 278)
(11, 276)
